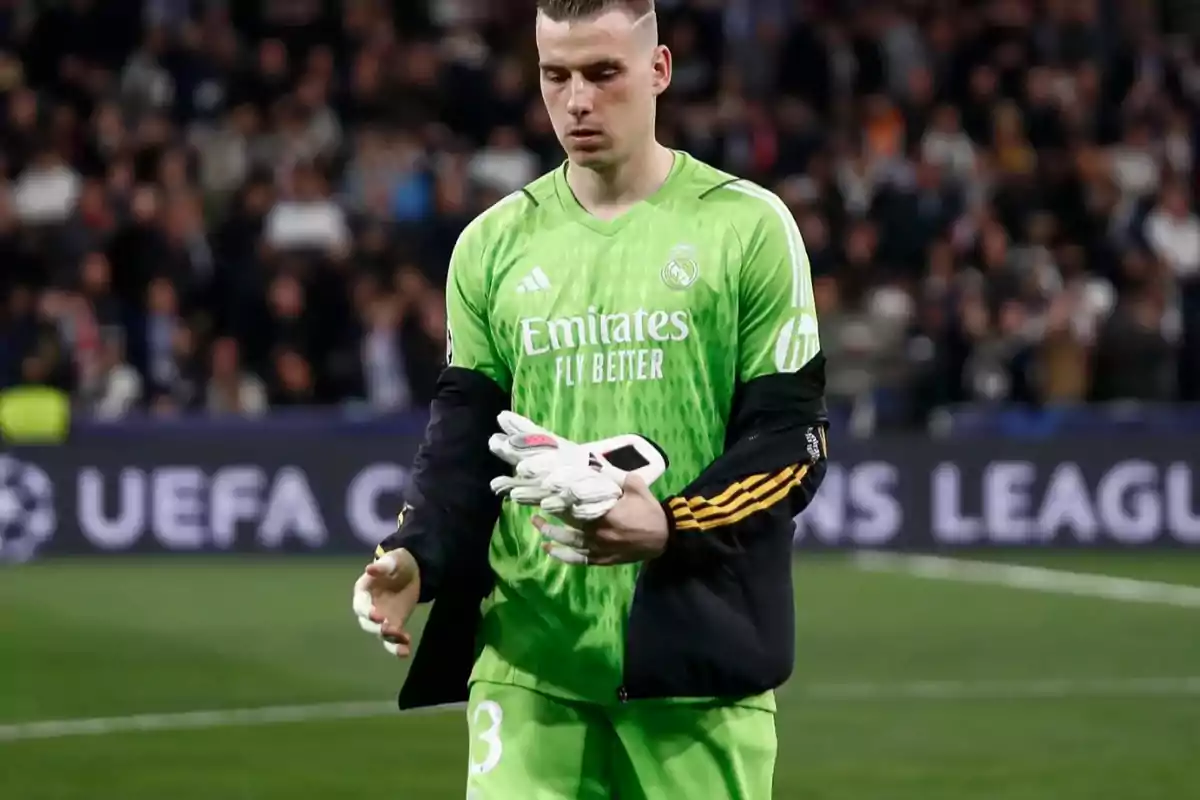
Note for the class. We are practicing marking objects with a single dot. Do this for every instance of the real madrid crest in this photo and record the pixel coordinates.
(682, 268)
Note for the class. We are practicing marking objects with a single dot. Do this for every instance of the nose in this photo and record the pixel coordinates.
(579, 99)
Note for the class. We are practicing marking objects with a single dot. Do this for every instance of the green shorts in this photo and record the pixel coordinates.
(531, 746)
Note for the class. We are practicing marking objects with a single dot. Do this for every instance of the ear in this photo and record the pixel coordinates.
(662, 69)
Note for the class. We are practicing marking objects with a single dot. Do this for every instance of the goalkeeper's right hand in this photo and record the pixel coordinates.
(385, 596)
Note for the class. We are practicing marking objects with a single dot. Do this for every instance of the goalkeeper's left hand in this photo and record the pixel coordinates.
(634, 529)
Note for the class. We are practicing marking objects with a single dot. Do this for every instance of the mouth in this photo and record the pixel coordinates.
(585, 135)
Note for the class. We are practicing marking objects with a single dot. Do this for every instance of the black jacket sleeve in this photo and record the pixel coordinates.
(449, 510)
(773, 462)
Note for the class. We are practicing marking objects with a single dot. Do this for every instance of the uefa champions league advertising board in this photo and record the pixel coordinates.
(219, 491)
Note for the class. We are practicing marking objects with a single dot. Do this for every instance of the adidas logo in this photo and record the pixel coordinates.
(535, 281)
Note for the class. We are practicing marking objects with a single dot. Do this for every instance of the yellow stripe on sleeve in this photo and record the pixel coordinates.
(757, 493)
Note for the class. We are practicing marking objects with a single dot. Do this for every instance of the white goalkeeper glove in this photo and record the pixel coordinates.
(561, 476)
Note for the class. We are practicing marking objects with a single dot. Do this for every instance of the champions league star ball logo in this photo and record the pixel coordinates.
(27, 518)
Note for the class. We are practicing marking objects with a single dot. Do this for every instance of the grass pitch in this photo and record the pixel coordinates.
(905, 689)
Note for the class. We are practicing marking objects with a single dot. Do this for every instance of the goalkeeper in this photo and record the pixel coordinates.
(614, 631)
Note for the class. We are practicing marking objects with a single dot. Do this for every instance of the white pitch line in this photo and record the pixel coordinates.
(867, 691)
(1035, 688)
(195, 720)
(1039, 579)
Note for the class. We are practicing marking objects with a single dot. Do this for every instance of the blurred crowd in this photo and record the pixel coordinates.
(230, 207)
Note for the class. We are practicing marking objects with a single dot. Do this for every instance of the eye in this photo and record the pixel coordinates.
(554, 75)
(602, 74)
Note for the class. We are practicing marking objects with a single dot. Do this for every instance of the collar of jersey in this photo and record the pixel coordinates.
(572, 207)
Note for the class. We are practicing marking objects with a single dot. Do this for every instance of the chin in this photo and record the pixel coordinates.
(591, 159)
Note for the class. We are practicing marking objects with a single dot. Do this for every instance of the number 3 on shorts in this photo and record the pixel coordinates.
(485, 724)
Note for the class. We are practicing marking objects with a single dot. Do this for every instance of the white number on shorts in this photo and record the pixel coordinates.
(490, 736)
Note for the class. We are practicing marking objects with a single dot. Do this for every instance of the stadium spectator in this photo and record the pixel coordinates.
(231, 390)
(247, 201)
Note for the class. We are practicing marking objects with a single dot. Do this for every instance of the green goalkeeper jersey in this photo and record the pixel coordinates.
(644, 324)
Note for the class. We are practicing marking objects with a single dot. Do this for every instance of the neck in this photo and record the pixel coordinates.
(625, 184)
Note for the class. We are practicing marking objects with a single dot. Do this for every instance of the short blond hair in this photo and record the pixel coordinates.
(559, 10)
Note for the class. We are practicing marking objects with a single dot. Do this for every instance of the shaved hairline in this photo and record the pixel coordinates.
(644, 28)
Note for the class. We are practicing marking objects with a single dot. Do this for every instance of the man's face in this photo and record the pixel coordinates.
(600, 77)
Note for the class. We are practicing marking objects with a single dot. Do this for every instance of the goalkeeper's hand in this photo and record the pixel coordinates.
(384, 598)
(636, 529)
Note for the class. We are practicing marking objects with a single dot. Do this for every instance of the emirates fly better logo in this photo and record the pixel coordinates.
(27, 518)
